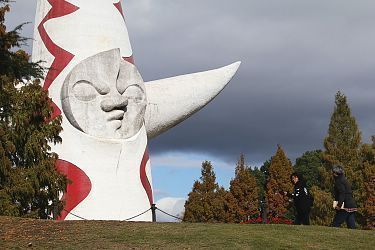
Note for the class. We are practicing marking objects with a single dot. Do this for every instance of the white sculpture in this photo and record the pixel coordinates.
(108, 111)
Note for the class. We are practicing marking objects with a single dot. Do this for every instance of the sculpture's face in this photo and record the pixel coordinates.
(104, 96)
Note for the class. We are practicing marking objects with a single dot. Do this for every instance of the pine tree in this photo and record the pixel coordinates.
(245, 191)
(29, 183)
(343, 142)
(205, 202)
(279, 182)
(343, 146)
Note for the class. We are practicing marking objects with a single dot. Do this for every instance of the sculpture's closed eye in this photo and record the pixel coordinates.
(84, 91)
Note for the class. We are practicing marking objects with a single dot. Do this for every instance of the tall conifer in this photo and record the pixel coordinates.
(343, 142)
(205, 202)
(279, 182)
(343, 146)
(245, 191)
(29, 183)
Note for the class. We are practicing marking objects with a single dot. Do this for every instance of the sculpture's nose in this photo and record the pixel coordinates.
(112, 103)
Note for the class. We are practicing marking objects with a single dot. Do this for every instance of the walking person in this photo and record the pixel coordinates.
(302, 199)
(344, 202)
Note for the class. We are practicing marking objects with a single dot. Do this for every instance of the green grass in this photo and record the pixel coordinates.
(18, 233)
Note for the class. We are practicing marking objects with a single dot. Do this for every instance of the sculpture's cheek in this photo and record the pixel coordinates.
(90, 118)
(133, 120)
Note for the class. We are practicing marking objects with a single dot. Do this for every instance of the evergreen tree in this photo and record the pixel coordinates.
(278, 182)
(343, 143)
(29, 183)
(205, 202)
(308, 166)
(343, 146)
(245, 191)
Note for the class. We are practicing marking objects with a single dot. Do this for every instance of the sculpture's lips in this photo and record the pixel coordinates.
(116, 124)
(116, 115)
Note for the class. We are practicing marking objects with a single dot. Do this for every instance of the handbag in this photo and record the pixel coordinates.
(335, 204)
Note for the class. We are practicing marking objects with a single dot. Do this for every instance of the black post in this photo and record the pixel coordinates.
(54, 212)
(153, 209)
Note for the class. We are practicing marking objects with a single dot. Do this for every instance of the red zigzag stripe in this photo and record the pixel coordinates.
(81, 185)
(62, 57)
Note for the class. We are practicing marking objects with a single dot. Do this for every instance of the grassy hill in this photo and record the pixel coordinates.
(18, 233)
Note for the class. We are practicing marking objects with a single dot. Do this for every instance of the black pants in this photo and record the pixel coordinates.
(302, 217)
(341, 216)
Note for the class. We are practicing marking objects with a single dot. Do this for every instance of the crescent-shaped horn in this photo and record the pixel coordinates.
(172, 100)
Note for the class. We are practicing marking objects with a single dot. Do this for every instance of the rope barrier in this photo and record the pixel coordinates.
(130, 217)
(169, 214)
(74, 214)
(122, 220)
(138, 215)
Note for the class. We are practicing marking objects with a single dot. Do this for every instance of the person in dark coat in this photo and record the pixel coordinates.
(346, 206)
(302, 200)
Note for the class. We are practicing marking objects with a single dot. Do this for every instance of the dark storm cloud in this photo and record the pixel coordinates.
(295, 56)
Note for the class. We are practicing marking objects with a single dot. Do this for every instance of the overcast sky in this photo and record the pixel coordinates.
(295, 55)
